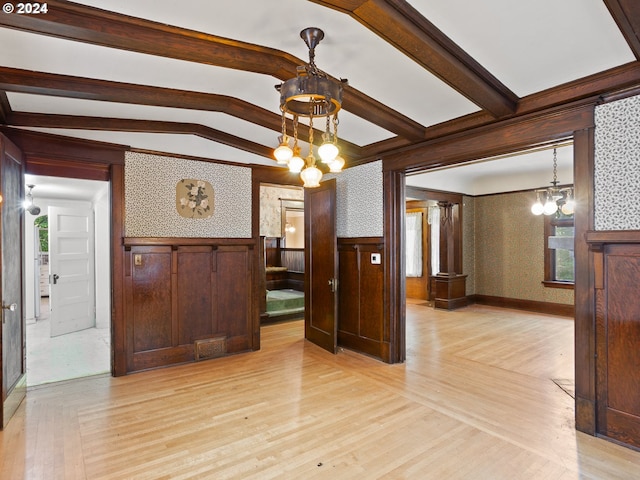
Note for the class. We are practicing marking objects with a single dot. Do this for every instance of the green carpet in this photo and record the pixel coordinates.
(282, 302)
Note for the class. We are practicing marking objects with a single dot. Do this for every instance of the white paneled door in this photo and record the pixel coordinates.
(71, 269)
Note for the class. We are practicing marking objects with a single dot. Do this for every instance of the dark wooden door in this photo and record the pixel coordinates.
(12, 258)
(321, 266)
(618, 346)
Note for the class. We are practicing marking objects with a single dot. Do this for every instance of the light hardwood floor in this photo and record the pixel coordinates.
(475, 400)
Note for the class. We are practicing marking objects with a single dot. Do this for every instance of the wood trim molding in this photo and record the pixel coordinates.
(59, 156)
(436, 195)
(174, 242)
(118, 329)
(5, 108)
(584, 293)
(394, 267)
(527, 305)
(594, 237)
(501, 137)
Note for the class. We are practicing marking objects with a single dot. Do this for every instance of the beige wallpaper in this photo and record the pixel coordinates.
(508, 251)
(270, 207)
(469, 243)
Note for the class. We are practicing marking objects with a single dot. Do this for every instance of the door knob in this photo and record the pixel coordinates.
(11, 308)
(55, 278)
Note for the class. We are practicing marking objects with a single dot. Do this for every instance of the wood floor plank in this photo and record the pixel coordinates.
(475, 399)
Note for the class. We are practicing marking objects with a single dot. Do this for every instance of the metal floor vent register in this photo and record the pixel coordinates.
(210, 348)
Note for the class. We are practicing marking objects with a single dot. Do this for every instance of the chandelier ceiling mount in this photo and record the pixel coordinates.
(310, 94)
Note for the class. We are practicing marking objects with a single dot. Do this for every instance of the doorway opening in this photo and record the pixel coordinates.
(282, 237)
(67, 271)
(501, 250)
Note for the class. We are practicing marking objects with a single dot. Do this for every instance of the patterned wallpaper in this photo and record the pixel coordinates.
(270, 207)
(469, 243)
(360, 201)
(150, 198)
(509, 250)
(617, 165)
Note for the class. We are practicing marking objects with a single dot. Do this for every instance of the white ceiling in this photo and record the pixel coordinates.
(524, 171)
(58, 188)
(528, 46)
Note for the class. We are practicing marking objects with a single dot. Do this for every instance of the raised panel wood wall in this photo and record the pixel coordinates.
(185, 291)
(617, 276)
(361, 296)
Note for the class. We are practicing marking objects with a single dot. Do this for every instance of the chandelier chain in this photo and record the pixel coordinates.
(295, 130)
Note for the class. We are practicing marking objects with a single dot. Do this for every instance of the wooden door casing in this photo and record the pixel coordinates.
(13, 328)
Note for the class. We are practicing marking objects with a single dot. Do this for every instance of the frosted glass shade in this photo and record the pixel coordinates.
(295, 164)
(311, 177)
(328, 152)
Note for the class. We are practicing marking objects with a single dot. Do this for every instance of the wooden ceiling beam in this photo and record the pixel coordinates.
(626, 13)
(506, 136)
(401, 25)
(5, 107)
(22, 119)
(587, 89)
(27, 81)
(100, 27)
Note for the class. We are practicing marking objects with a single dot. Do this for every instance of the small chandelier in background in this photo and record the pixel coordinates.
(554, 198)
(28, 203)
(312, 93)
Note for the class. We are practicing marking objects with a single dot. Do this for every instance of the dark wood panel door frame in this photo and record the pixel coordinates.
(58, 156)
(571, 122)
(13, 368)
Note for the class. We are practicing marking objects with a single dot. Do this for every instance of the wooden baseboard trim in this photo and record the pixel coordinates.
(527, 305)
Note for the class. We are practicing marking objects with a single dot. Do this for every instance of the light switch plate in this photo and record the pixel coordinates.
(375, 259)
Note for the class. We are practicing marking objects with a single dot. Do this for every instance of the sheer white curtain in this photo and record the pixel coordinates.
(434, 222)
(414, 244)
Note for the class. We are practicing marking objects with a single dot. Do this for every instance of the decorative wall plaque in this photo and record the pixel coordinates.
(194, 198)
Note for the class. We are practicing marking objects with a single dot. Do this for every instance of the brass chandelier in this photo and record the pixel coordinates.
(554, 198)
(313, 94)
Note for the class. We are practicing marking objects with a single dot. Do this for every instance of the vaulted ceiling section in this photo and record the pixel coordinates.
(196, 78)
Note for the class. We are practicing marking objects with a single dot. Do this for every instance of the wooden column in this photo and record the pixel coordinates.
(450, 285)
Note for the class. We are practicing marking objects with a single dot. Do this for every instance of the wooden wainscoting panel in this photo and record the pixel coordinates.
(371, 297)
(151, 298)
(349, 289)
(180, 291)
(361, 296)
(194, 285)
(233, 290)
(618, 334)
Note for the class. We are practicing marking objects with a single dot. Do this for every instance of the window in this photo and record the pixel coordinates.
(559, 261)
(414, 244)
